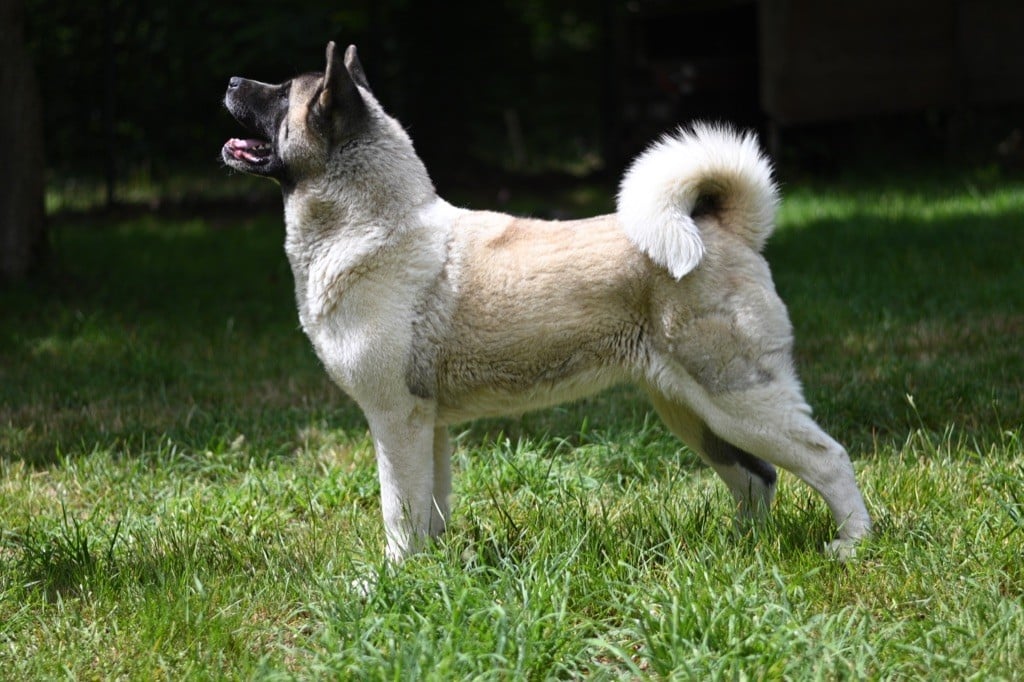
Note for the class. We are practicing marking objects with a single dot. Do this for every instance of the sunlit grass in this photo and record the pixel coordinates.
(183, 493)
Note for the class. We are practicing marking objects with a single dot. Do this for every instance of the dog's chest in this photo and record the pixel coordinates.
(363, 339)
(356, 301)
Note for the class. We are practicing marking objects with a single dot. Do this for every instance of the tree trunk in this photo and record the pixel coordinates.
(22, 218)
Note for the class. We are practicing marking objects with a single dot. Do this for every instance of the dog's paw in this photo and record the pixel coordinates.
(363, 588)
(842, 550)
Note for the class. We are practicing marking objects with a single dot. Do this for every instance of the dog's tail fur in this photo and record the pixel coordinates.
(701, 170)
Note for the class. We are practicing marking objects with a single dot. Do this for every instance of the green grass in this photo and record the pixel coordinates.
(184, 494)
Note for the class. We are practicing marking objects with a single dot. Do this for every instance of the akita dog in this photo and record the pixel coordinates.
(428, 315)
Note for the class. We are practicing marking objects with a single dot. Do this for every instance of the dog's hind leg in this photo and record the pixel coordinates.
(404, 443)
(750, 480)
(440, 505)
(774, 423)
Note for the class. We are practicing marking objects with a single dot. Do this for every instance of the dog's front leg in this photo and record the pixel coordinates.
(404, 443)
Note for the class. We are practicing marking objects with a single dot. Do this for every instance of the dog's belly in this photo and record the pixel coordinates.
(515, 382)
(496, 401)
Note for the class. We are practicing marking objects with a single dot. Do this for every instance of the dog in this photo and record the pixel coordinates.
(429, 315)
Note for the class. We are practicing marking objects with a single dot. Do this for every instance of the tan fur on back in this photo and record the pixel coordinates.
(515, 276)
(550, 311)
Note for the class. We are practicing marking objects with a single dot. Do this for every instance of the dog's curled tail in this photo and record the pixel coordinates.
(705, 169)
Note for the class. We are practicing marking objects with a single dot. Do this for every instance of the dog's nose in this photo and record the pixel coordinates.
(234, 82)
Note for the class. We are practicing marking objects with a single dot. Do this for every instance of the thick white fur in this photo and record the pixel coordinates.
(660, 190)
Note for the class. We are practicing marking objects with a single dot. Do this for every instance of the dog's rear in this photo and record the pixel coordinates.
(701, 204)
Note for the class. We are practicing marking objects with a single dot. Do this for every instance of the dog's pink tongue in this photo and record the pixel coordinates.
(240, 149)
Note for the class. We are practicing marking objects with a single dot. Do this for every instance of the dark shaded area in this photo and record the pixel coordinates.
(22, 218)
(142, 335)
(923, 311)
(135, 88)
(541, 90)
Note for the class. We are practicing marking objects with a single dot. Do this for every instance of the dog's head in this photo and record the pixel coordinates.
(298, 123)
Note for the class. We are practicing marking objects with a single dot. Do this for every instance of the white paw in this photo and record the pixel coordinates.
(842, 549)
(365, 586)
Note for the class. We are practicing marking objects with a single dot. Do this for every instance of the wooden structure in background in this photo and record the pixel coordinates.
(824, 61)
(785, 63)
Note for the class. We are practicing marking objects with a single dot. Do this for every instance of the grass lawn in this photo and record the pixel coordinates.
(183, 494)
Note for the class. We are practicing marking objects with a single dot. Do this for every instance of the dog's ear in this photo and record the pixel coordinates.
(355, 68)
(340, 102)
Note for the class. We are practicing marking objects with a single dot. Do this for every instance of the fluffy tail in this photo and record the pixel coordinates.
(704, 169)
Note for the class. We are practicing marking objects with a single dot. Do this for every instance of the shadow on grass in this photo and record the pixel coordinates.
(180, 330)
(153, 331)
(905, 322)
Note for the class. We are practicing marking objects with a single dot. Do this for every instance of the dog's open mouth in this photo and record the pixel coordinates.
(255, 152)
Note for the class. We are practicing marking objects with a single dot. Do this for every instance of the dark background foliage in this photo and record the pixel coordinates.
(534, 87)
(134, 83)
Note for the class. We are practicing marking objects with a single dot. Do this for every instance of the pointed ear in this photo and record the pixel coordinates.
(355, 68)
(339, 100)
